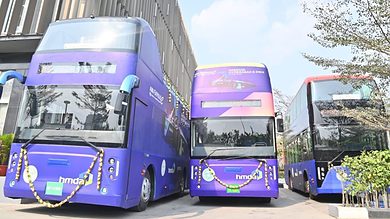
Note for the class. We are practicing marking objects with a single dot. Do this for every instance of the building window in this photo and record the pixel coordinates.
(66, 8)
(57, 10)
(163, 58)
(81, 9)
(155, 9)
(22, 16)
(37, 16)
(8, 16)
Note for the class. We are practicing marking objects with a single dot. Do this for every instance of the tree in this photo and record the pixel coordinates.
(282, 101)
(363, 26)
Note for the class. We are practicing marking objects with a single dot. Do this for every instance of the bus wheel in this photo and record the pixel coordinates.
(203, 199)
(307, 186)
(146, 191)
(265, 200)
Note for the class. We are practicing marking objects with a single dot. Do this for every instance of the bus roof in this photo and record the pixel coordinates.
(249, 64)
(330, 77)
(104, 18)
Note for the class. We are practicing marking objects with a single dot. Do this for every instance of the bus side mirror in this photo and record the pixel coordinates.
(130, 82)
(120, 103)
(33, 107)
(279, 125)
(8, 75)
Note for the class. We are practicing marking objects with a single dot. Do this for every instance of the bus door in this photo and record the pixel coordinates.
(139, 140)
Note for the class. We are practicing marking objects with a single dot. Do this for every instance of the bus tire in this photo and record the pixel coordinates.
(203, 199)
(265, 200)
(307, 186)
(146, 193)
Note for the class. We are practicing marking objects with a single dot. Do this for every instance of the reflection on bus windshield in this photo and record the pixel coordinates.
(233, 132)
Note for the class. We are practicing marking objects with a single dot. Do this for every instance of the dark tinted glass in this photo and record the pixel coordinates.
(332, 140)
(233, 132)
(69, 112)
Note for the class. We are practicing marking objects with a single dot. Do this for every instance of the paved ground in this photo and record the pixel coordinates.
(290, 205)
(2, 198)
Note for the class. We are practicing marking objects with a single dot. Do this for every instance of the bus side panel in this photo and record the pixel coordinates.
(161, 151)
(298, 172)
(165, 153)
(138, 141)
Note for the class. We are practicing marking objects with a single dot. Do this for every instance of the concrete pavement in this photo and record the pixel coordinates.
(289, 205)
(2, 198)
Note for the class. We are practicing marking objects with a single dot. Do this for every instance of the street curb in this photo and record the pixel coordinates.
(378, 213)
(340, 212)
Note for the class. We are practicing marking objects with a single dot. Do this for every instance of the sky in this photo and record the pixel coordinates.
(270, 32)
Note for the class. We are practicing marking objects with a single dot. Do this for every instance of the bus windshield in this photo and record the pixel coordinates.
(332, 90)
(90, 34)
(254, 134)
(329, 97)
(71, 113)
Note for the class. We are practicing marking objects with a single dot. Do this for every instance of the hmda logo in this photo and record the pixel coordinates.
(256, 175)
(77, 181)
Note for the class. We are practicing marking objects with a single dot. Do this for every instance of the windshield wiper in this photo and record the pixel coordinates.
(25, 145)
(219, 149)
(330, 162)
(76, 137)
(91, 145)
(238, 157)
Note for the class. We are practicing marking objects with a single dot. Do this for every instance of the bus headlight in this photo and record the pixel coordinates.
(14, 156)
(111, 161)
(103, 190)
(111, 169)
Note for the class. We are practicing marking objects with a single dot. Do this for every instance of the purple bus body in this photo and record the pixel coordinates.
(233, 83)
(235, 172)
(149, 144)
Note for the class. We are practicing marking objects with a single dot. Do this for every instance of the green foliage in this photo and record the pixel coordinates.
(6, 141)
(368, 173)
(362, 27)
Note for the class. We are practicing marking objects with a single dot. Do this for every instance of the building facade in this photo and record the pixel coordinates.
(23, 23)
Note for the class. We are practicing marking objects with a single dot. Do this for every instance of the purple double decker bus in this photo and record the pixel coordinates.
(233, 150)
(98, 123)
(318, 135)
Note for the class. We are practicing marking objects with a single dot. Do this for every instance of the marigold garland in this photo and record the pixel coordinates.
(23, 155)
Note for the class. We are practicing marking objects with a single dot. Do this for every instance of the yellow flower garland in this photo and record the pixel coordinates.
(23, 154)
(240, 185)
